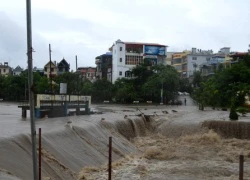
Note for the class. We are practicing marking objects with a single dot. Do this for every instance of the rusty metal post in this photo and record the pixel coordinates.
(241, 167)
(40, 154)
(110, 157)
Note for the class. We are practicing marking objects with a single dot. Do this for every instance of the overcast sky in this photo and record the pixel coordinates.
(87, 28)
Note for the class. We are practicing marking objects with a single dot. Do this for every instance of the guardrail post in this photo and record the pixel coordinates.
(40, 154)
(24, 113)
(110, 158)
(241, 167)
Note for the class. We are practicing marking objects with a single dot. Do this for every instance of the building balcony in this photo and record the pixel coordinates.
(134, 54)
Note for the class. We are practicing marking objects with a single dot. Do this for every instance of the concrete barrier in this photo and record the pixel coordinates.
(149, 102)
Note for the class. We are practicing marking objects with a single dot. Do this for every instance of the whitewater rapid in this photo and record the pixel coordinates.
(71, 143)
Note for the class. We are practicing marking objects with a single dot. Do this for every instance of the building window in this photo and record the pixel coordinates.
(194, 58)
(177, 61)
(120, 59)
(45, 69)
(120, 73)
(120, 48)
(52, 69)
(128, 74)
(4, 70)
(133, 60)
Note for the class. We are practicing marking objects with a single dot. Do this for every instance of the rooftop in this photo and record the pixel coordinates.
(148, 44)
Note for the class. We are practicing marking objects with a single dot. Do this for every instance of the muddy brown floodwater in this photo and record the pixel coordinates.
(149, 142)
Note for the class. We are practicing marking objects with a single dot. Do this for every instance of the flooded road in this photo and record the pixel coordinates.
(150, 142)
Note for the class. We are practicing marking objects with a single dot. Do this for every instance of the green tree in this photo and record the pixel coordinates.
(125, 91)
(86, 87)
(102, 90)
(227, 88)
(70, 79)
(164, 78)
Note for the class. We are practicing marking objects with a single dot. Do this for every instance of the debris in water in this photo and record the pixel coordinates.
(68, 124)
(165, 112)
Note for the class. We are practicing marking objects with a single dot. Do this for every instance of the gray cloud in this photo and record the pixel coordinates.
(88, 28)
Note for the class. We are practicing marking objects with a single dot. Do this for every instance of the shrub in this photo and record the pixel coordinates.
(233, 114)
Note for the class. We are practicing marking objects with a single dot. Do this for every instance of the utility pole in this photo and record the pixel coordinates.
(77, 90)
(77, 77)
(31, 89)
(50, 75)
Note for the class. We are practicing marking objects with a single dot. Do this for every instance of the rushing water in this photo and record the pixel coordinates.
(68, 147)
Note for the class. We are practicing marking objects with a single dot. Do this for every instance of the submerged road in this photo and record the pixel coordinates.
(11, 122)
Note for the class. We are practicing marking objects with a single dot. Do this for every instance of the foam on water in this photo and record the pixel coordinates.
(147, 144)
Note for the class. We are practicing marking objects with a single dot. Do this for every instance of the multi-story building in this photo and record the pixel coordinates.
(170, 57)
(50, 69)
(187, 62)
(179, 61)
(196, 58)
(87, 73)
(126, 55)
(5, 69)
(223, 59)
(104, 66)
(62, 67)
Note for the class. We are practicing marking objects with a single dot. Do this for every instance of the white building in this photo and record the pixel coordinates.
(126, 55)
(5, 69)
(196, 58)
(17, 71)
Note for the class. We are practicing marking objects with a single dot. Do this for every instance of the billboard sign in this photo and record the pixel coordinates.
(155, 50)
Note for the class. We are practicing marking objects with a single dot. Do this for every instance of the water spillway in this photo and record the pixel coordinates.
(65, 151)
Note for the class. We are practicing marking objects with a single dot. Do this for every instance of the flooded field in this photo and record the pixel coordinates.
(149, 142)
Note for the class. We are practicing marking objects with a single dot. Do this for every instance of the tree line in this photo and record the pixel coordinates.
(146, 85)
(227, 88)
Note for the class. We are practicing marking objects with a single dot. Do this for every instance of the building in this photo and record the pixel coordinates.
(223, 59)
(104, 66)
(5, 69)
(170, 57)
(179, 62)
(126, 55)
(196, 58)
(50, 69)
(17, 71)
(62, 67)
(87, 73)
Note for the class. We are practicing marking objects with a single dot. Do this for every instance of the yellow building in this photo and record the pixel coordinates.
(50, 69)
(179, 61)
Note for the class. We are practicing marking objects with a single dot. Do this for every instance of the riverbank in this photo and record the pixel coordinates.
(166, 143)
